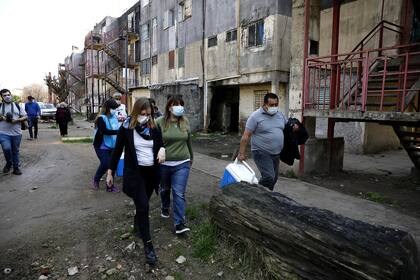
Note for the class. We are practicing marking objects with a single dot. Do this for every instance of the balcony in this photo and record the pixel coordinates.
(93, 40)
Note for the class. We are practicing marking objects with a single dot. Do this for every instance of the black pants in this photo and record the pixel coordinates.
(146, 185)
(33, 123)
(63, 128)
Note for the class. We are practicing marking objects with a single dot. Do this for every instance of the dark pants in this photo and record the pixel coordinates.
(33, 123)
(148, 180)
(63, 128)
(104, 157)
(10, 146)
(268, 165)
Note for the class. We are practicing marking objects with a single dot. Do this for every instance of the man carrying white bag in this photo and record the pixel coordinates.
(238, 172)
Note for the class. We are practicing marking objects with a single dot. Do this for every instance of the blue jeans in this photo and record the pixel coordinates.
(268, 165)
(175, 177)
(10, 146)
(104, 157)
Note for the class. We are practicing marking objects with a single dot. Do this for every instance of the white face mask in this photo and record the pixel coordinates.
(178, 111)
(142, 119)
(112, 111)
(272, 110)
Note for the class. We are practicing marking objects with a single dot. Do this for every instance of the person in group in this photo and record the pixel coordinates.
(121, 111)
(11, 118)
(106, 129)
(62, 118)
(33, 112)
(265, 129)
(179, 157)
(156, 113)
(142, 143)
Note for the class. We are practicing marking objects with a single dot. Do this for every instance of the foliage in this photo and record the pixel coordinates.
(204, 240)
(16, 99)
(375, 196)
(37, 91)
(58, 85)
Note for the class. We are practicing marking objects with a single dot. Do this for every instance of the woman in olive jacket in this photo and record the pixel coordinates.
(142, 143)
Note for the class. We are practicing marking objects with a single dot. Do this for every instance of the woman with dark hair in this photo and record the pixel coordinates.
(143, 149)
(175, 170)
(106, 129)
(62, 118)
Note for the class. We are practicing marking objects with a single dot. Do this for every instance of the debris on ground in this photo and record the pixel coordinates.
(181, 259)
(7, 270)
(72, 271)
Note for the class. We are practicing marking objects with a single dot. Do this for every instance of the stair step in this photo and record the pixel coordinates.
(410, 133)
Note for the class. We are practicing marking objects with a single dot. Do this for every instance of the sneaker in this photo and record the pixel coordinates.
(113, 189)
(95, 185)
(164, 213)
(6, 169)
(181, 228)
(17, 171)
(149, 253)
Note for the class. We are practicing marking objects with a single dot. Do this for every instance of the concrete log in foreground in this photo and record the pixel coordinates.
(299, 242)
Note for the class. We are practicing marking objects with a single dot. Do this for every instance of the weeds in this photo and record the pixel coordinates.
(290, 174)
(375, 196)
(77, 140)
(192, 212)
(178, 276)
(204, 240)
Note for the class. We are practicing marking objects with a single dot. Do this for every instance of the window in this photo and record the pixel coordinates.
(144, 3)
(231, 35)
(169, 19)
(145, 32)
(212, 41)
(184, 10)
(145, 66)
(154, 60)
(259, 98)
(256, 34)
(154, 36)
(313, 47)
(181, 57)
(171, 59)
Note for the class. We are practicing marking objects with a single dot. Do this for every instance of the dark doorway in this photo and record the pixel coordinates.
(224, 112)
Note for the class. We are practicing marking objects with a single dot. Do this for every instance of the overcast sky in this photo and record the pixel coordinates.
(37, 35)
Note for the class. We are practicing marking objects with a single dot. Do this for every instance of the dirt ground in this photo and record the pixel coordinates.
(383, 178)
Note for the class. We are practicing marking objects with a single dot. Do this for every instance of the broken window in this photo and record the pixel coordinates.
(171, 59)
(212, 41)
(259, 98)
(184, 10)
(145, 67)
(145, 32)
(313, 47)
(181, 57)
(256, 34)
(231, 35)
(154, 60)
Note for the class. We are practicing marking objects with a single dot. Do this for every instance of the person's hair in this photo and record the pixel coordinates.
(174, 100)
(141, 104)
(270, 95)
(3, 91)
(117, 94)
(106, 109)
(30, 97)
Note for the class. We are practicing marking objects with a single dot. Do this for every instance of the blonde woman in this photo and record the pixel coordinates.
(179, 156)
(143, 152)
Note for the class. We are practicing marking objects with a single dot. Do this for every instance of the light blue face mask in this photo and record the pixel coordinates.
(272, 110)
(178, 111)
(112, 112)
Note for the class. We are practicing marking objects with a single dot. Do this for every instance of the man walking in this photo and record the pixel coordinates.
(121, 111)
(11, 117)
(34, 113)
(265, 129)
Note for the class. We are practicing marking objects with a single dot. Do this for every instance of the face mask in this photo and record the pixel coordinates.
(272, 110)
(7, 99)
(142, 119)
(112, 111)
(118, 102)
(178, 111)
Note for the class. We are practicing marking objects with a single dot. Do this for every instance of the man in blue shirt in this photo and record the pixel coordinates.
(34, 113)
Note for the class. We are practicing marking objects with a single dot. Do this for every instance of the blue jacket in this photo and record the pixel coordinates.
(32, 109)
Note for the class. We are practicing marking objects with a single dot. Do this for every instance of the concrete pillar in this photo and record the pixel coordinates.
(297, 46)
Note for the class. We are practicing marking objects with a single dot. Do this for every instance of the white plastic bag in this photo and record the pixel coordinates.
(238, 171)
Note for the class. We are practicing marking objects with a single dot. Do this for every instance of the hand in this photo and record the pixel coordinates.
(241, 157)
(15, 121)
(109, 179)
(191, 162)
(161, 157)
(2, 118)
(295, 128)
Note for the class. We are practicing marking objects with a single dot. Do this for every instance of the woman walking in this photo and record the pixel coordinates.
(106, 129)
(143, 152)
(179, 156)
(62, 118)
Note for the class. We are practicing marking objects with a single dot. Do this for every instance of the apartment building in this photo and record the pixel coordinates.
(73, 68)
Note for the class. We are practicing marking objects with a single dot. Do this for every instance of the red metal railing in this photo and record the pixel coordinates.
(375, 80)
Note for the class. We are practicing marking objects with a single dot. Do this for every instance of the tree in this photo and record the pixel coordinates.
(37, 91)
(58, 85)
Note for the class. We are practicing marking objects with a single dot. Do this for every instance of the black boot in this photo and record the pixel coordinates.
(149, 252)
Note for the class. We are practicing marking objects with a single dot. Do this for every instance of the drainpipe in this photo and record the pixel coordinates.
(205, 83)
(126, 63)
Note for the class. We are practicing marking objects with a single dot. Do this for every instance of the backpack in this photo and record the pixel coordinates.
(23, 124)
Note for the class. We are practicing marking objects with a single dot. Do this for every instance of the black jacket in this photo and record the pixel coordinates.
(125, 141)
(292, 140)
(102, 130)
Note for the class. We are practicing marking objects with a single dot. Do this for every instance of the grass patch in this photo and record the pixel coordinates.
(178, 276)
(375, 196)
(192, 212)
(180, 251)
(52, 127)
(290, 174)
(78, 140)
(204, 240)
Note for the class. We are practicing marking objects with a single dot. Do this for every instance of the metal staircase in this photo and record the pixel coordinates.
(410, 139)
